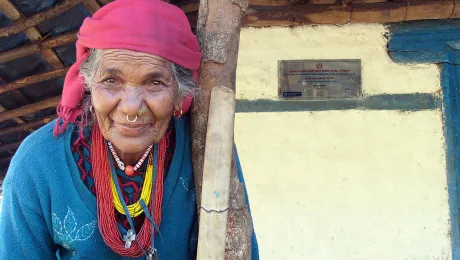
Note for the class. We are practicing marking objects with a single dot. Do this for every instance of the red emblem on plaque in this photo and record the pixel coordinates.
(319, 66)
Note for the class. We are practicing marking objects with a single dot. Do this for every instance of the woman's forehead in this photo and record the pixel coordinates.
(113, 60)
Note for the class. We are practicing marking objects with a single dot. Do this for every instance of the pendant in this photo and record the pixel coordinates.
(129, 170)
(152, 254)
(129, 238)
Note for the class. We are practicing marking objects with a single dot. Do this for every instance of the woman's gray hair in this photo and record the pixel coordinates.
(183, 76)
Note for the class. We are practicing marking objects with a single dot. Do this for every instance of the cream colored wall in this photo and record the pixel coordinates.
(347, 184)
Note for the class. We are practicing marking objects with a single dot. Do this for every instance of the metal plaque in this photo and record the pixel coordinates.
(319, 79)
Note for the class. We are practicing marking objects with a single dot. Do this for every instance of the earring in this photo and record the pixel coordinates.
(178, 114)
(91, 109)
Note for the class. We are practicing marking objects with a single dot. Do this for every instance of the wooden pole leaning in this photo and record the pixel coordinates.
(216, 174)
(218, 36)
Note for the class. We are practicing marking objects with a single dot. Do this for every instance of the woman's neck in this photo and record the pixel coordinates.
(129, 158)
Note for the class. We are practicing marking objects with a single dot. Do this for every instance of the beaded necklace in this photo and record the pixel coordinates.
(131, 186)
(143, 240)
(129, 170)
(135, 209)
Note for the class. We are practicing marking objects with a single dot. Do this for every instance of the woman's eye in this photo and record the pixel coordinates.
(156, 82)
(109, 80)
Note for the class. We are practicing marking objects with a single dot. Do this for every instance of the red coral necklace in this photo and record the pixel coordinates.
(106, 211)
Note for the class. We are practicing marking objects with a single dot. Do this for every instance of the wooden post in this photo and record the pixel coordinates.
(218, 31)
(216, 175)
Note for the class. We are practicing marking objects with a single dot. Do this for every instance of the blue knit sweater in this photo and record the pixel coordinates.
(47, 212)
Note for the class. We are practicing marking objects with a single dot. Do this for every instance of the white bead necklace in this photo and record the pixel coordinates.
(129, 170)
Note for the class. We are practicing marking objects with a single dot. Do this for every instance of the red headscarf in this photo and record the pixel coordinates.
(149, 26)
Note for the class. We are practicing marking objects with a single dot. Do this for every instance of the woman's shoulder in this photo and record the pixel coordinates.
(41, 140)
(36, 161)
(40, 146)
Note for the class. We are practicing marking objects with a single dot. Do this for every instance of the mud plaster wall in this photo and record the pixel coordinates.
(342, 184)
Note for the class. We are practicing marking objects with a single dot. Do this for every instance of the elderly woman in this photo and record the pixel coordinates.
(112, 177)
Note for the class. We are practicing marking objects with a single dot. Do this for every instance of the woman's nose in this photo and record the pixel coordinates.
(131, 101)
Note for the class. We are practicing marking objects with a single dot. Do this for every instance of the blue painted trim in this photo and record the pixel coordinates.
(450, 84)
(419, 57)
(425, 42)
(438, 42)
(400, 102)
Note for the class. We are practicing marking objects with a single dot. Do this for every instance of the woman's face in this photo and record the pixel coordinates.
(128, 83)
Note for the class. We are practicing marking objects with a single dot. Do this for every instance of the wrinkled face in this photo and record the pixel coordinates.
(128, 83)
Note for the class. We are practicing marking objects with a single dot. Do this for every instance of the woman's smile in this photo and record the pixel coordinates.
(131, 129)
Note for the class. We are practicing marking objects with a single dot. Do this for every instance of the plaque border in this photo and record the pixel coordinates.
(293, 98)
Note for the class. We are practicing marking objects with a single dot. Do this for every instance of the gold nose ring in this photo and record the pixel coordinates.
(131, 121)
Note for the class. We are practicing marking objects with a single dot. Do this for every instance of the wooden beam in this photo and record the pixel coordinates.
(188, 6)
(456, 12)
(104, 2)
(14, 14)
(38, 18)
(279, 12)
(2, 109)
(10, 147)
(322, 2)
(423, 10)
(311, 2)
(38, 46)
(17, 120)
(277, 2)
(218, 31)
(258, 16)
(51, 102)
(27, 126)
(362, 11)
(20, 83)
(384, 12)
(92, 6)
(369, 1)
(32, 33)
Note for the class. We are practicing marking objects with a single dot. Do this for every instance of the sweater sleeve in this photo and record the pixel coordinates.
(254, 244)
(23, 231)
